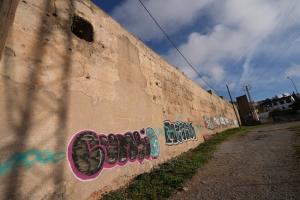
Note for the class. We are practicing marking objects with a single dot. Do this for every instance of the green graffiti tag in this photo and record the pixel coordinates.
(29, 158)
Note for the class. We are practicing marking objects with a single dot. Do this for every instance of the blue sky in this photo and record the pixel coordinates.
(254, 42)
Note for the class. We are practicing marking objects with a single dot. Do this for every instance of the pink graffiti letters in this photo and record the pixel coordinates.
(89, 153)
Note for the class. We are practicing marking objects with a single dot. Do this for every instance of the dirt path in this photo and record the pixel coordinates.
(259, 165)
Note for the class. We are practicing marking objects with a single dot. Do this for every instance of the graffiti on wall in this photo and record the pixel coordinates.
(178, 132)
(89, 153)
(28, 158)
(217, 122)
(208, 123)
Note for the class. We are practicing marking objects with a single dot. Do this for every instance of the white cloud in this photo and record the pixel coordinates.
(240, 29)
(216, 72)
(208, 51)
(255, 17)
(293, 70)
(171, 14)
(222, 43)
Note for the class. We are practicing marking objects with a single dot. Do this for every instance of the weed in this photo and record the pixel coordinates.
(170, 176)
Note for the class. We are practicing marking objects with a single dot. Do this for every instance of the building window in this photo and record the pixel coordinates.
(281, 102)
(288, 100)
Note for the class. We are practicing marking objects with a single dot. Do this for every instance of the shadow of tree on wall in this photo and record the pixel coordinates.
(36, 95)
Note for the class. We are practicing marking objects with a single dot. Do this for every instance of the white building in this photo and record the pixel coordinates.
(279, 102)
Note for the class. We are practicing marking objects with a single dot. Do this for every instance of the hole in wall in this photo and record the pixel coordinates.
(82, 29)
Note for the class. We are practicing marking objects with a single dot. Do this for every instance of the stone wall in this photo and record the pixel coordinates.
(7, 13)
(85, 106)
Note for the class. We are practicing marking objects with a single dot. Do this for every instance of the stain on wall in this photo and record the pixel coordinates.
(178, 132)
(29, 158)
(89, 153)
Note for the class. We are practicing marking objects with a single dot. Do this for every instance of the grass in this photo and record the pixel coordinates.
(296, 129)
(170, 176)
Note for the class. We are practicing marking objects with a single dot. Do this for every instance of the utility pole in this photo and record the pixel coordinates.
(233, 106)
(254, 114)
(248, 88)
(293, 84)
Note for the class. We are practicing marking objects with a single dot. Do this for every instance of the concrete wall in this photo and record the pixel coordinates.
(54, 87)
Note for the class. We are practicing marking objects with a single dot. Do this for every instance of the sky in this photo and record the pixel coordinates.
(234, 42)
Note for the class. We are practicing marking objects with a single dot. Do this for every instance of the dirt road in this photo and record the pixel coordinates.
(259, 165)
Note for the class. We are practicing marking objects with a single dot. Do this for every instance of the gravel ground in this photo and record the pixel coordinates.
(259, 165)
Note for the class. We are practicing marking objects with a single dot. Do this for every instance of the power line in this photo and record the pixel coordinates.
(293, 84)
(174, 45)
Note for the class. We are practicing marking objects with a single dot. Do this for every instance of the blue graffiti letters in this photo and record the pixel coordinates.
(178, 132)
(29, 158)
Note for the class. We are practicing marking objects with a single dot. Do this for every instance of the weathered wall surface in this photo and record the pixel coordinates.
(7, 13)
(79, 118)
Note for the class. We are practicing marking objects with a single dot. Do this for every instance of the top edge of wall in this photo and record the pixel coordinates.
(92, 6)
